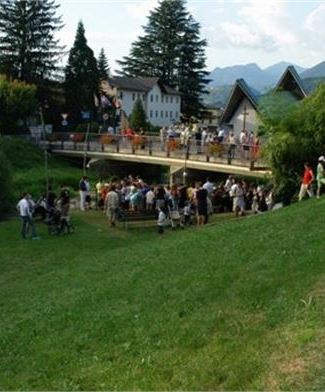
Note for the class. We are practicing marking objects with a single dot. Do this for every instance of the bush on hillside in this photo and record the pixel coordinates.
(295, 134)
(5, 184)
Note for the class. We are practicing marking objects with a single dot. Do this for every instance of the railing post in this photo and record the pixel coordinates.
(150, 147)
(117, 144)
(102, 147)
(207, 153)
(62, 144)
(74, 145)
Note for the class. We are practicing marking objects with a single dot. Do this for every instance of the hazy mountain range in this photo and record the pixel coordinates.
(259, 79)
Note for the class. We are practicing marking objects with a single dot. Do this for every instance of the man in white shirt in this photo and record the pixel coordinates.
(208, 185)
(24, 207)
(150, 198)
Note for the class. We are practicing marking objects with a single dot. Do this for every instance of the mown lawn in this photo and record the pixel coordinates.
(233, 306)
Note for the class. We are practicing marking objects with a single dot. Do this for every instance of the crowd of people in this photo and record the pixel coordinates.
(245, 145)
(179, 205)
(175, 205)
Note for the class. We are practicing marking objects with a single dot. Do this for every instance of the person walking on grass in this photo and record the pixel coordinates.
(112, 203)
(24, 207)
(162, 219)
(320, 176)
(201, 197)
(83, 192)
(307, 180)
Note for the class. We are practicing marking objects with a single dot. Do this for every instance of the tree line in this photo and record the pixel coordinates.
(171, 49)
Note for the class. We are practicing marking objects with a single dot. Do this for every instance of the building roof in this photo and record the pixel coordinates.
(140, 84)
(240, 91)
(291, 81)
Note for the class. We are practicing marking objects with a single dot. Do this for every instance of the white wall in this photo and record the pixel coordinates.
(161, 109)
(129, 98)
(238, 119)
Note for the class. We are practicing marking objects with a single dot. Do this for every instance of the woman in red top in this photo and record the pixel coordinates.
(307, 180)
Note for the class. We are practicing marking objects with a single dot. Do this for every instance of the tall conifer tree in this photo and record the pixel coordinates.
(81, 76)
(103, 68)
(28, 49)
(172, 50)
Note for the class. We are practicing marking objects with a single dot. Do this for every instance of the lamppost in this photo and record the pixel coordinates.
(46, 166)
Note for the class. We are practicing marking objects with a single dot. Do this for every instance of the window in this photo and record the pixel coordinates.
(176, 99)
(157, 98)
(166, 113)
(151, 113)
(144, 97)
(162, 99)
(138, 96)
(156, 113)
(166, 99)
(133, 97)
(171, 114)
(171, 99)
(176, 114)
(162, 114)
(151, 98)
(121, 95)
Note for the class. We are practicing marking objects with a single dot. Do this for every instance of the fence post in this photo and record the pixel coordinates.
(150, 147)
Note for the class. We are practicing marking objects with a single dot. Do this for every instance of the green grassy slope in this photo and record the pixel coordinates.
(234, 306)
(28, 169)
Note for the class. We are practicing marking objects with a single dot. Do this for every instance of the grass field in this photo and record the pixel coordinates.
(233, 306)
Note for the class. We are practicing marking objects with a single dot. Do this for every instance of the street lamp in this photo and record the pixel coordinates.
(46, 166)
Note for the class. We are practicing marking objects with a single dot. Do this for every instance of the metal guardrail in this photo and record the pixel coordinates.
(247, 155)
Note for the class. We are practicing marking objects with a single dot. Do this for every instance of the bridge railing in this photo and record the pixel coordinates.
(151, 145)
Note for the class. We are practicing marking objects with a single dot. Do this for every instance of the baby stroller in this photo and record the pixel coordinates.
(58, 224)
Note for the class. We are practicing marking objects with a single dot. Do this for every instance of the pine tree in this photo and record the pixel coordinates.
(172, 50)
(138, 117)
(81, 77)
(28, 49)
(103, 68)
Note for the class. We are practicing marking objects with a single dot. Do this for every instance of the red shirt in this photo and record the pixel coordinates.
(308, 176)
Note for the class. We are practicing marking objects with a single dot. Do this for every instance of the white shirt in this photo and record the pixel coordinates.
(208, 186)
(23, 208)
(161, 219)
(150, 197)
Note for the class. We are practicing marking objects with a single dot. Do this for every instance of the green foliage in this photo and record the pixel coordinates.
(28, 49)
(17, 101)
(209, 309)
(294, 134)
(138, 116)
(172, 50)
(27, 168)
(103, 68)
(5, 182)
(81, 77)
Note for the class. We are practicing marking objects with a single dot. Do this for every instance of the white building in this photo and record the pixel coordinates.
(161, 103)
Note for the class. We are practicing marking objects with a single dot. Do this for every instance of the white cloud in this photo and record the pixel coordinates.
(314, 21)
(271, 19)
(141, 9)
(241, 35)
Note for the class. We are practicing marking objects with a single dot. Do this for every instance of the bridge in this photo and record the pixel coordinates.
(218, 157)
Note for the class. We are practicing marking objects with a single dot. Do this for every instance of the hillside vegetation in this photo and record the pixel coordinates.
(26, 162)
(233, 306)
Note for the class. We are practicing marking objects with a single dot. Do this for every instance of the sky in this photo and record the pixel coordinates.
(237, 31)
